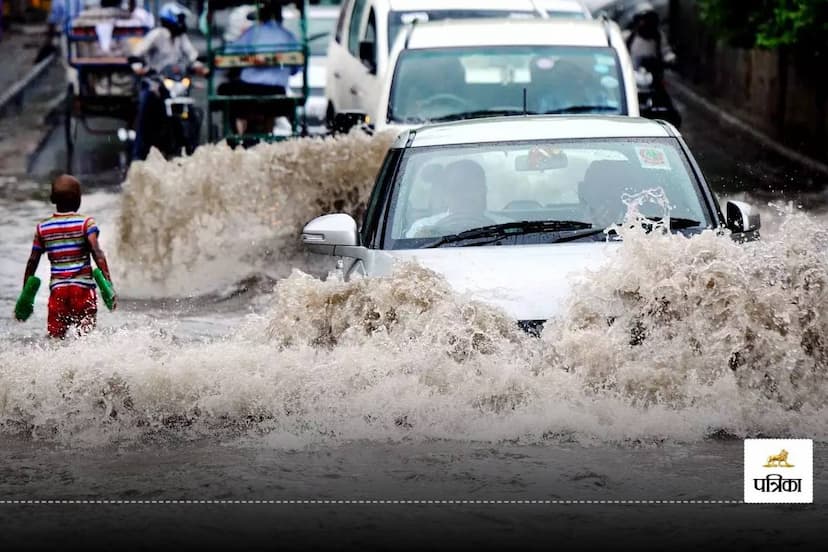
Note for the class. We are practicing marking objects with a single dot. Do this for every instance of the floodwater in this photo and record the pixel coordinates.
(234, 370)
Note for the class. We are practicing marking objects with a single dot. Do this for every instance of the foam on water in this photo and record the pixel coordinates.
(675, 338)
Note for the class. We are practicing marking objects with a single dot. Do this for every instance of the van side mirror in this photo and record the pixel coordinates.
(742, 218)
(367, 55)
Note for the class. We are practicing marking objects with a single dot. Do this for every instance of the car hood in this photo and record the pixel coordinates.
(529, 282)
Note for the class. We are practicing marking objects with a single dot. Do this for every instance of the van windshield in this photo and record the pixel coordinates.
(443, 84)
(399, 19)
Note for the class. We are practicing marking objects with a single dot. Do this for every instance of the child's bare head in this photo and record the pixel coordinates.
(66, 193)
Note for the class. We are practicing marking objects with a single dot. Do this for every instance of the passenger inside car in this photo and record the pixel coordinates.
(558, 84)
(603, 188)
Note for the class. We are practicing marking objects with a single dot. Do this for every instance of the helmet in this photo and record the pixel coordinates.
(643, 9)
(174, 15)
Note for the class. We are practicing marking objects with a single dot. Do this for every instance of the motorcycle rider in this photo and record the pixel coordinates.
(163, 46)
(646, 39)
(650, 51)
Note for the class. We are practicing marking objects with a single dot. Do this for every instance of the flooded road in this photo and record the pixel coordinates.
(208, 384)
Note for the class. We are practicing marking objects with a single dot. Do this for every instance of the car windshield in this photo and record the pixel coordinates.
(320, 30)
(566, 185)
(458, 83)
(397, 20)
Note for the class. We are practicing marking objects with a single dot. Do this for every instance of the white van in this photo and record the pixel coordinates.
(453, 70)
(360, 49)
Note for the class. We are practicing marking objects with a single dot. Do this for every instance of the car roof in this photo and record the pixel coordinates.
(537, 127)
(435, 5)
(508, 32)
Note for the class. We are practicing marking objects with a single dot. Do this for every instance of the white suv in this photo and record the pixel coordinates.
(453, 70)
(359, 53)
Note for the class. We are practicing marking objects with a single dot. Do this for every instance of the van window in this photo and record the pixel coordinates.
(340, 24)
(353, 27)
(371, 28)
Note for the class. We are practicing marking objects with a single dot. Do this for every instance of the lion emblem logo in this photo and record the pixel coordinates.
(778, 460)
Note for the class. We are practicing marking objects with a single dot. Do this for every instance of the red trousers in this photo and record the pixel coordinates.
(71, 305)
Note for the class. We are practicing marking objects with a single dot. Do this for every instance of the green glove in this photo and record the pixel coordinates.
(107, 293)
(24, 307)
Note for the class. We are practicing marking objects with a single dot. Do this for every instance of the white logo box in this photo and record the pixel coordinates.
(779, 484)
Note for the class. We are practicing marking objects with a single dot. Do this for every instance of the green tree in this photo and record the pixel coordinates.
(800, 25)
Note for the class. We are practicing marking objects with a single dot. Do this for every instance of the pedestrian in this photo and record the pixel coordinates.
(69, 239)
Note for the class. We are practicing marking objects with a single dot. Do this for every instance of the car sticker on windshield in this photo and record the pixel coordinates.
(599, 68)
(609, 82)
(604, 60)
(652, 157)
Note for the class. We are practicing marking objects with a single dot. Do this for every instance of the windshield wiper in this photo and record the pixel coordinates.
(677, 223)
(480, 113)
(509, 229)
(580, 109)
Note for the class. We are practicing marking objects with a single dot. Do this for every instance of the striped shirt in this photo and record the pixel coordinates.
(63, 237)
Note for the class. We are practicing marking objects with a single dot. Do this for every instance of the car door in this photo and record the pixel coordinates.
(368, 84)
(354, 71)
(335, 89)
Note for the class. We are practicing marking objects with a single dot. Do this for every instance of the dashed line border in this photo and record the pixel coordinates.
(318, 502)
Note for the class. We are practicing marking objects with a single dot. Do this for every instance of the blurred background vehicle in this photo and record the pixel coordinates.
(359, 52)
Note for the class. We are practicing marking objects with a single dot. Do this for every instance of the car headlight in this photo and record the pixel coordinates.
(168, 84)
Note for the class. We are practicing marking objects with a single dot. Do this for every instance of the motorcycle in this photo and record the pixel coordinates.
(175, 117)
(653, 99)
(179, 128)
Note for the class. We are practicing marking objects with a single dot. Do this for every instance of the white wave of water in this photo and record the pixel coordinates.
(676, 338)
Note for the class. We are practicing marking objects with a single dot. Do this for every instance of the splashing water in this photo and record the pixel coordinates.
(195, 224)
(675, 338)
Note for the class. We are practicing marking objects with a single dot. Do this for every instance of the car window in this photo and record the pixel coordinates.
(354, 26)
(340, 22)
(397, 20)
(452, 83)
(447, 190)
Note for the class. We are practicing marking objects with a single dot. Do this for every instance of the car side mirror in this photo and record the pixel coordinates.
(344, 121)
(367, 55)
(328, 233)
(742, 218)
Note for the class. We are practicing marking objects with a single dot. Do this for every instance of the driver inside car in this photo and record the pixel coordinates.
(463, 184)
(444, 86)
(559, 84)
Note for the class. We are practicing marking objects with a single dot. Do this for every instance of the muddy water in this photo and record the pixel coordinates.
(232, 372)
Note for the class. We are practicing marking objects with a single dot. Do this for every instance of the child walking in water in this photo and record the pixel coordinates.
(69, 239)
